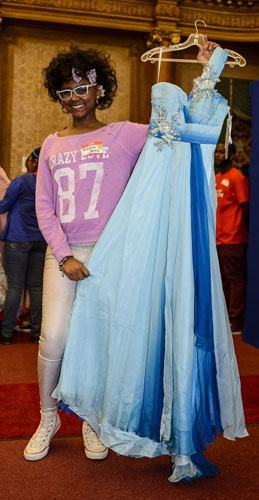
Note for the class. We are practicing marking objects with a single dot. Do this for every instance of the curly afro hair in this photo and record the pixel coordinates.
(60, 70)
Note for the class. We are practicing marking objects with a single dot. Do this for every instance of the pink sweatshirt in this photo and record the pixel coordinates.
(80, 181)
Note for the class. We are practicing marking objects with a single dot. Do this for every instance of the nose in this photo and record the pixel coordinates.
(73, 97)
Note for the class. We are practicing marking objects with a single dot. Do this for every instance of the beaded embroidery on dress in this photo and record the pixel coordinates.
(164, 129)
(204, 84)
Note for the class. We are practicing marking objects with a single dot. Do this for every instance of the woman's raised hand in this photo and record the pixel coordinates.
(206, 50)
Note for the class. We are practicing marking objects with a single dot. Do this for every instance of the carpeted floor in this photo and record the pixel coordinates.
(23, 410)
(67, 473)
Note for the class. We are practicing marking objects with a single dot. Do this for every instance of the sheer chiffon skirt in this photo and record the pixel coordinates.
(132, 366)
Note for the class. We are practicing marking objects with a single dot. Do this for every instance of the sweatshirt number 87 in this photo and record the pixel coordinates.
(67, 197)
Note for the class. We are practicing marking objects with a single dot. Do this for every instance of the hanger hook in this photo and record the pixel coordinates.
(196, 27)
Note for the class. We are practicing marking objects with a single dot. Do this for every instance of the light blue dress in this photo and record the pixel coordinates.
(149, 359)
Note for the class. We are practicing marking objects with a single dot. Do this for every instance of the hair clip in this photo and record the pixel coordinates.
(91, 76)
(76, 77)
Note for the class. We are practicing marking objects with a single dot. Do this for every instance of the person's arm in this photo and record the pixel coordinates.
(4, 183)
(213, 62)
(208, 109)
(11, 195)
(132, 138)
(75, 270)
(204, 99)
(241, 186)
(49, 222)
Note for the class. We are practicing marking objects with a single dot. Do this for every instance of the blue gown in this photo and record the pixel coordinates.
(149, 359)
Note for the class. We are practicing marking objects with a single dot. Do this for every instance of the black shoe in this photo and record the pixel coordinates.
(5, 340)
(35, 340)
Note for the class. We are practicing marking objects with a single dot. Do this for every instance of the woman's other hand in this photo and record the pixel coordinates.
(75, 270)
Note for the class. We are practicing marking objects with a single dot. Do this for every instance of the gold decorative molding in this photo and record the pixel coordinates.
(106, 7)
(130, 14)
(223, 24)
(162, 37)
(217, 20)
(166, 13)
(233, 3)
(167, 8)
(235, 20)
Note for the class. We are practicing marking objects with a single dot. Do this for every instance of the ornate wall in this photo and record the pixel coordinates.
(33, 31)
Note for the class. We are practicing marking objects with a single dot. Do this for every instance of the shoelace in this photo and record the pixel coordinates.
(91, 436)
(44, 428)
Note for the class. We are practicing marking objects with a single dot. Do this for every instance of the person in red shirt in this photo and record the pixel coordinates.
(232, 234)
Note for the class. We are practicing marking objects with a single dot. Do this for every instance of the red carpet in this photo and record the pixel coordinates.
(21, 413)
(67, 474)
(250, 395)
(20, 416)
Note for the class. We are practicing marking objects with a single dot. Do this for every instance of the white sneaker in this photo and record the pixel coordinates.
(94, 449)
(38, 445)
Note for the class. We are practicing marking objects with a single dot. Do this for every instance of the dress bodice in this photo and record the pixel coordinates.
(169, 96)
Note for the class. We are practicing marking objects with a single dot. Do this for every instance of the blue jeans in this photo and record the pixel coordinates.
(23, 264)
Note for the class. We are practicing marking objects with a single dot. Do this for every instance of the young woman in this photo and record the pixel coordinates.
(83, 171)
(130, 374)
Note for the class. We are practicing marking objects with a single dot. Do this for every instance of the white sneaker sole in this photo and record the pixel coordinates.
(32, 457)
(96, 456)
(22, 330)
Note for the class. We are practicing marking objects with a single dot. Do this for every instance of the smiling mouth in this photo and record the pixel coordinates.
(77, 106)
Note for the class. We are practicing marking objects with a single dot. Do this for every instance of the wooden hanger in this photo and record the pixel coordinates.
(193, 39)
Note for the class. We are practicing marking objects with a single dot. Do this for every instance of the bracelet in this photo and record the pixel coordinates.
(62, 262)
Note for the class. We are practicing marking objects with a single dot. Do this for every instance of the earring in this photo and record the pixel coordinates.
(101, 90)
(64, 110)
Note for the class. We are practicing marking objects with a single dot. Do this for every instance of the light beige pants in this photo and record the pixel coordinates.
(58, 296)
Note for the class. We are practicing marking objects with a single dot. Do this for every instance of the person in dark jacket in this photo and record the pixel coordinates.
(24, 251)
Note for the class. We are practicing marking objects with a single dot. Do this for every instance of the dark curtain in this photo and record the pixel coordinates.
(251, 329)
(237, 92)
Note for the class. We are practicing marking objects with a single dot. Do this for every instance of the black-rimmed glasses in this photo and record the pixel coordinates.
(80, 91)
